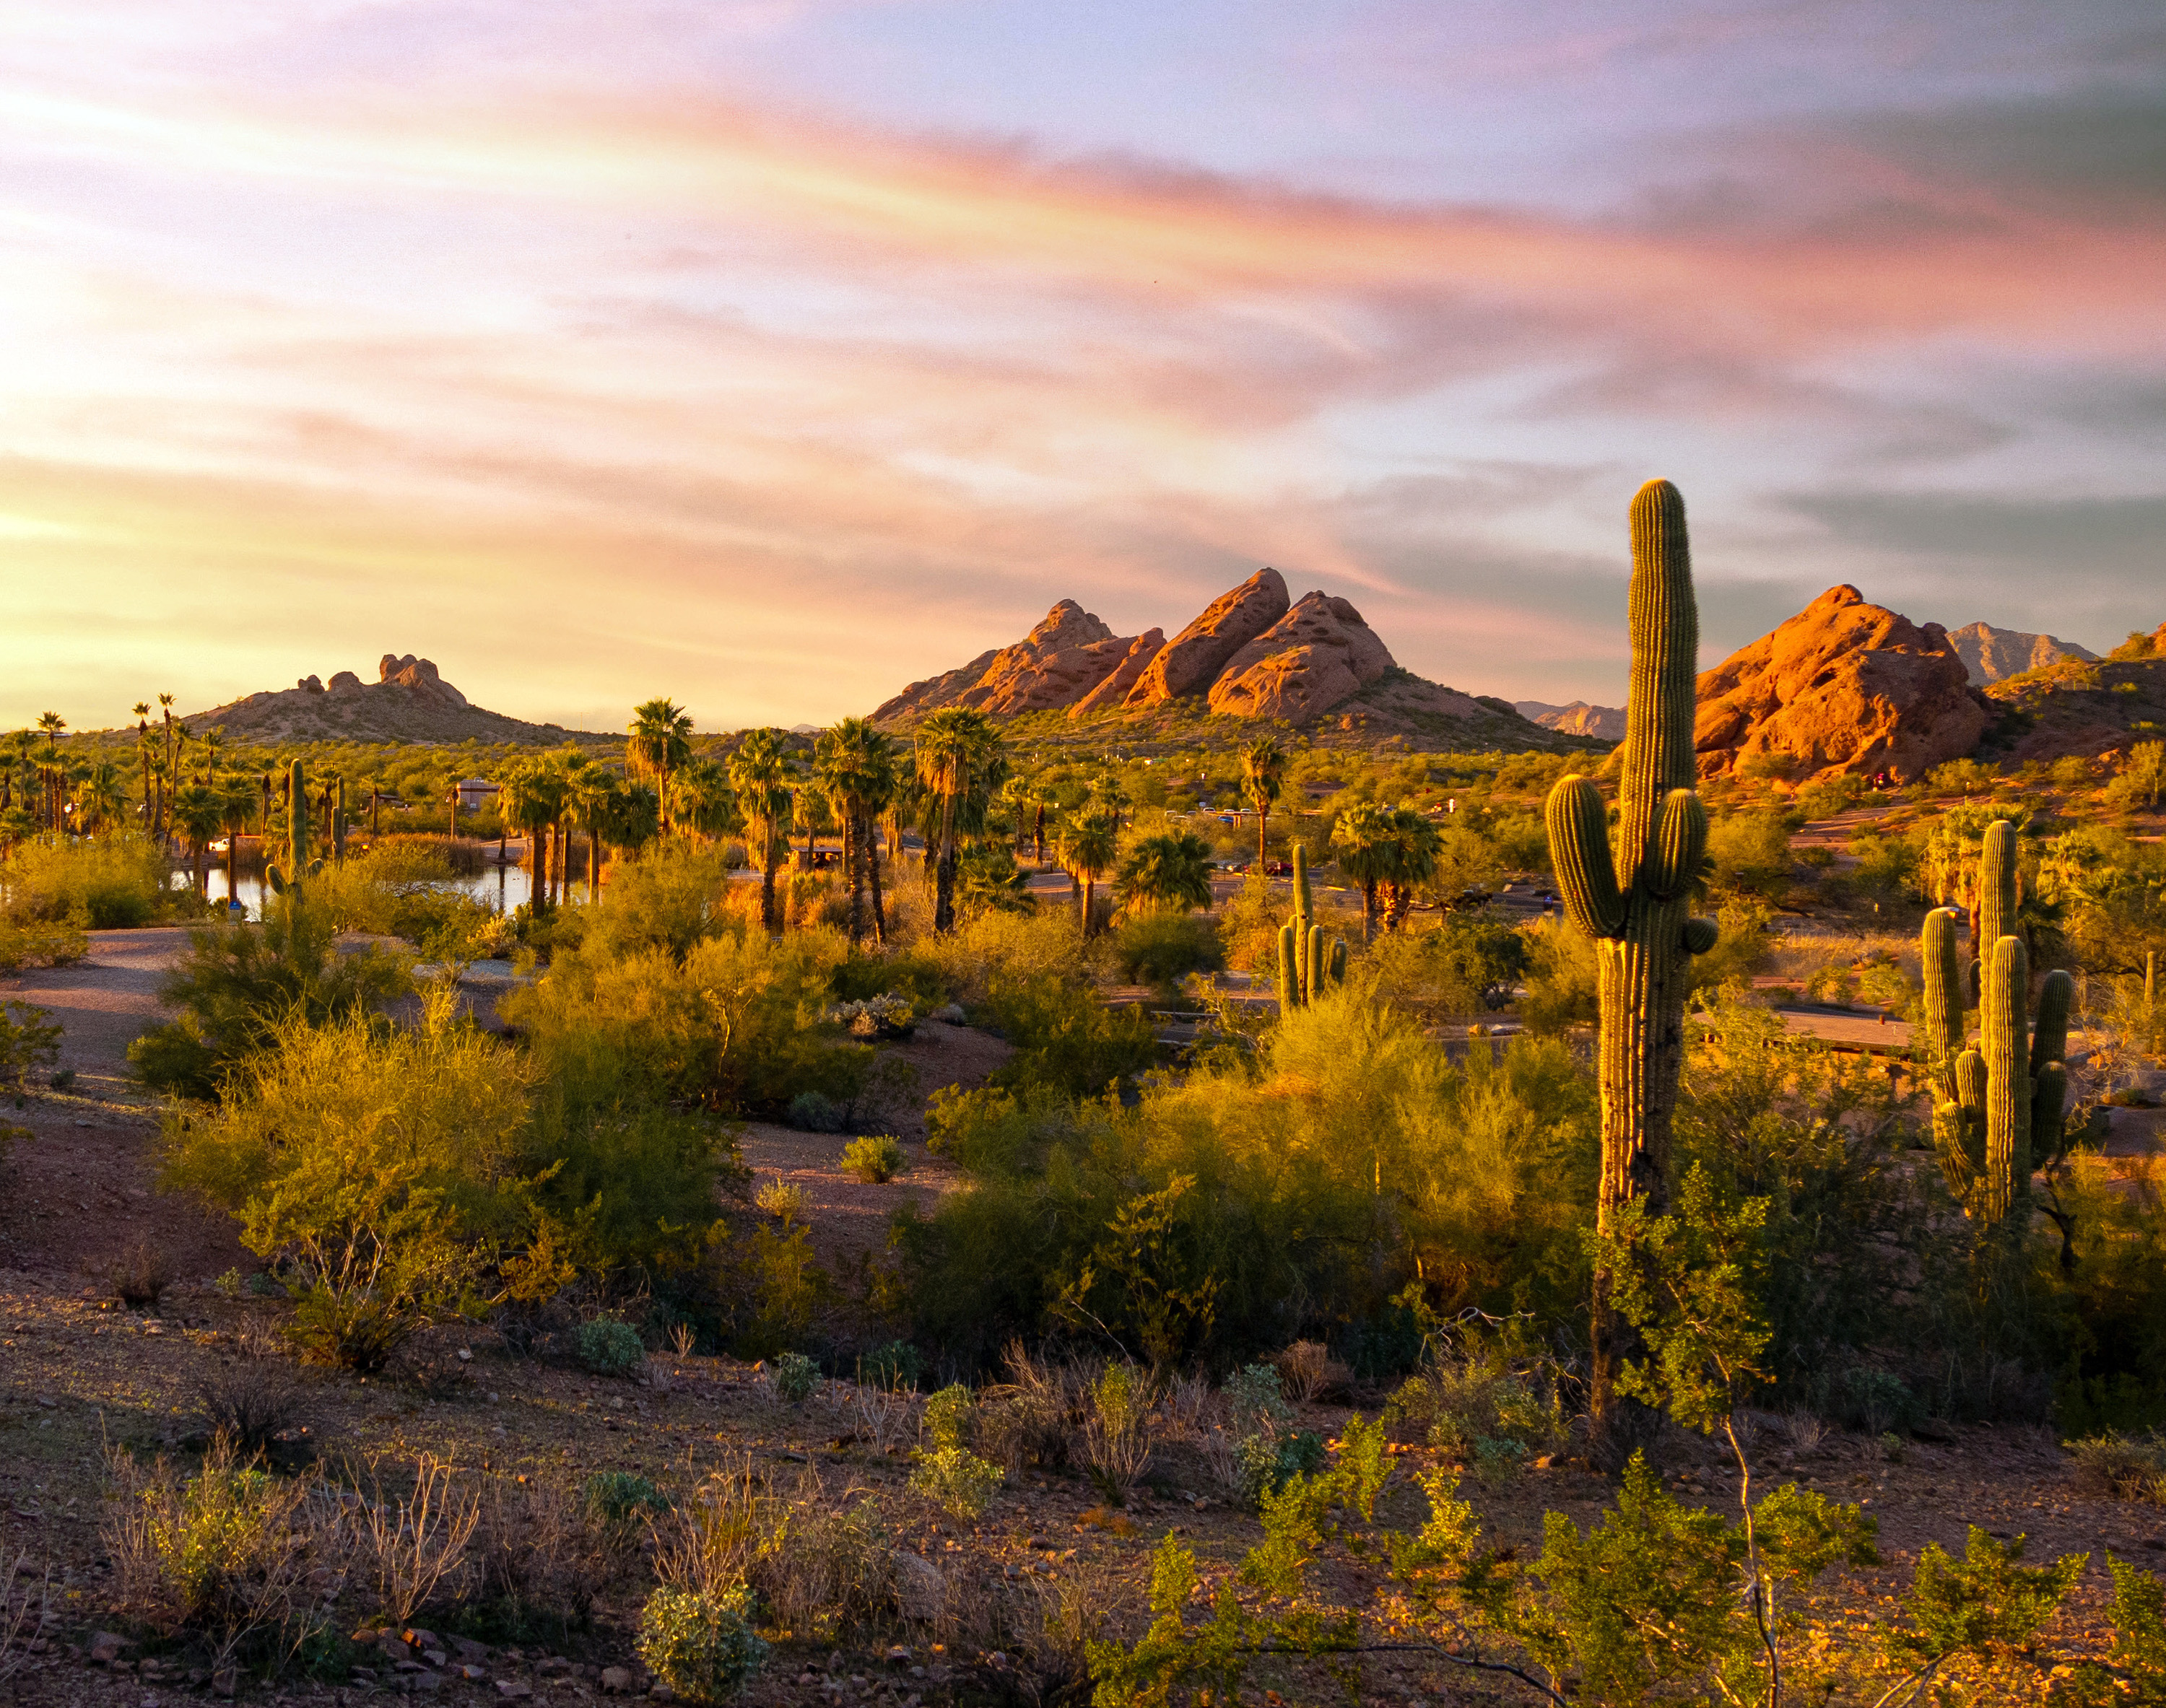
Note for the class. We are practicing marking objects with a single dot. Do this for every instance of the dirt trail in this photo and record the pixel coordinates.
(106, 1003)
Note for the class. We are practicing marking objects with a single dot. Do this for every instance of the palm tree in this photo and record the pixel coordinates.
(760, 772)
(142, 712)
(532, 797)
(660, 743)
(1263, 780)
(1171, 871)
(198, 812)
(594, 798)
(236, 797)
(988, 880)
(1367, 852)
(1108, 791)
(101, 794)
(1085, 848)
(840, 759)
(1416, 844)
(165, 789)
(701, 801)
(1017, 794)
(812, 814)
(52, 723)
(958, 750)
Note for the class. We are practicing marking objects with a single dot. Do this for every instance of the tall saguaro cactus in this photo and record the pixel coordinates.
(297, 864)
(1634, 901)
(1999, 1109)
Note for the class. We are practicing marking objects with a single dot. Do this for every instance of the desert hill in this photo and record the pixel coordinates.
(1254, 652)
(408, 702)
(2072, 708)
(1604, 722)
(1992, 654)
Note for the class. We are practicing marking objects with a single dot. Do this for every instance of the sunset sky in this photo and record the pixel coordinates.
(771, 354)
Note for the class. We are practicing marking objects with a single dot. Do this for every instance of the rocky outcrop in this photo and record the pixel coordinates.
(1319, 653)
(1842, 687)
(1067, 656)
(1190, 662)
(410, 701)
(1126, 675)
(1992, 654)
(1250, 655)
(1604, 722)
(1061, 660)
(2078, 709)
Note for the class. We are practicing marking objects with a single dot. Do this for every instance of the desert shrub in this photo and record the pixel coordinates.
(537, 1562)
(874, 1159)
(1162, 948)
(1751, 853)
(239, 985)
(2127, 1467)
(1875, 1402)
(813, 1112)
(736, 1024)
(1117, 1435)
(100, 884)
(29, 1038)
(1227, 1214)
(1559, 977)
(401, 886)
(1961, 776)
(1065, 1039)
(610, 1346)
(1249, 922)
(412, 1538)
(957, 1480)
(226, 1553)
(379, 1167)
(998, 949)
(785, 1199)
(1825, 799)
(140, 1278)
(701, 1645)
(619, 1502)
(896, 1365)
(792, 1378)
(250, 1400)
(40, 945)
(671, 899)
(1470, 963)
(946, 1419)
(1485, 1396)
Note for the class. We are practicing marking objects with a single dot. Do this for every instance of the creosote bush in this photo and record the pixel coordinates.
(701, 1645)
(608, 1345)
(874, 1159)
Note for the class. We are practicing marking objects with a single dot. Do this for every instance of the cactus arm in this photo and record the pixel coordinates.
(1579, 851)
(1680, 845)
(1701, 934)
(2049, 1113)
(297, 822)
(1943, 1000)
(1313, 967)
(1996, 886)
(2049, 1037)
(2004, 1042)
(1289, 976)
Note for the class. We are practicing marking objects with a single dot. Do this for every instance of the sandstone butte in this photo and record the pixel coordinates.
(409, 701)
(1251, 653)
(1845, 686)
(1992, 654)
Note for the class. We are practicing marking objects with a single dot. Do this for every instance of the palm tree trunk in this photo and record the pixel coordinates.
(1263, 834)
(873, 872)
(537, 837)
(593, 864)
(1368, 912)
(232, 866)
(1089, 889)
(1037, 833)
(944, 892)
(768, 863)
(853, 868)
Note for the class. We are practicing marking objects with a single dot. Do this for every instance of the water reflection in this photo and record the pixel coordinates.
(502, 890)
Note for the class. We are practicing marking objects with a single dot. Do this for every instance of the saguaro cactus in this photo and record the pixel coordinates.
(1306, 960)
(297, 864)
(1634, 903)
(2000, 1109)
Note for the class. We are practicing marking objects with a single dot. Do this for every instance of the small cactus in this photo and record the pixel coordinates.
(297, 864)
(2000, 1109)
(1306, 960)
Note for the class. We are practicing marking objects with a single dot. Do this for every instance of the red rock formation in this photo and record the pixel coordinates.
(1319, 653)
(1126, 673)
(1844, 686)
(1063, 659)
(1190, 662)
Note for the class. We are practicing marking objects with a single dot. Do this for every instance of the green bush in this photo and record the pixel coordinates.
(1470, 964)
(701, 1646)
(96, 883)
(1066, 1040)
(1162, 948)
(40, 945)
(948, 1417)
(958, 1480)
(874, 1159)
(29, 1038)
(811, 1112)
(1561, 976)
(617, 1502)
(608, 1346)
(792, 1378)
(898, 1364)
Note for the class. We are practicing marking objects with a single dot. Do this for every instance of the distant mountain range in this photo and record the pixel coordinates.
(1604, 723)
(1993, 655)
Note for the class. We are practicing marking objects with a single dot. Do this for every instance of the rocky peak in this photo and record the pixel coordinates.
(1190, 662)
(1845, 686)
(1992, 655)
(1318, 654)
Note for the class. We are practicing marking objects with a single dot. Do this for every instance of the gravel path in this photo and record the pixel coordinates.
(106, 1003)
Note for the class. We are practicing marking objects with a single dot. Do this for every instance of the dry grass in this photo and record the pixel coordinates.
(139, 1279)
(2124, 1467)
(536, 1564)
(25, 1607)
(1310, 1373)
(415, 1544)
